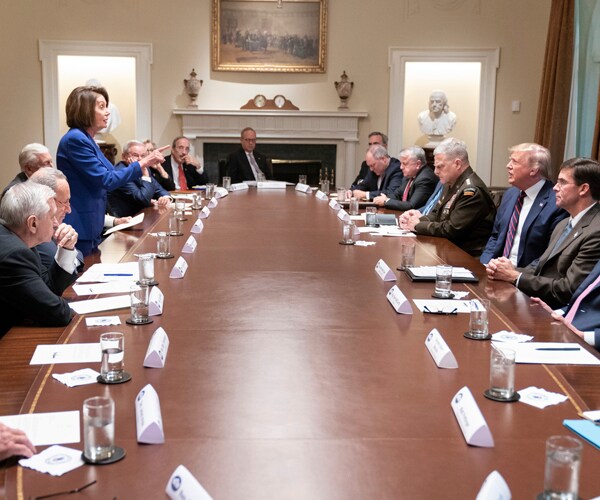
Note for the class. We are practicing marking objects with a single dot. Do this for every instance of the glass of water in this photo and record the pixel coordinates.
(563, 462)
(139, 295)
(113, 356)
(443, 281)
(98, 429)
(478, 319)
(146, 268)
(502, 373)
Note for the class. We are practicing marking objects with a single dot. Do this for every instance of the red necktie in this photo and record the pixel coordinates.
(407, 189)
(182, 182)
(512, 227)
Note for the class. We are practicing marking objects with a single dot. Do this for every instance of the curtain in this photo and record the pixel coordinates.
(553, 107)
(596, 141)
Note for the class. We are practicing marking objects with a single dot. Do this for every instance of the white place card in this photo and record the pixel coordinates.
(221, 192)
(156, 355)
(204, 213)
(212, 203)
(439, 350)
(384, 271)
(472, 424)
(271, 185)
(148, 420)
(399, 301)
(334, 204)
(179, 268)
(494, 488)
(183, 485)
(303, 188)
(190, 244)
(239, 186)
(343, 215)
(198, 226)
(155, 302)
(321, 196)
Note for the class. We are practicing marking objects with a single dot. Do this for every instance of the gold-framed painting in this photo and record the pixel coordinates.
(269, 35)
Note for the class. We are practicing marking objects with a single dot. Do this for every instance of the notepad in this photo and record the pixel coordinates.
(585, 429)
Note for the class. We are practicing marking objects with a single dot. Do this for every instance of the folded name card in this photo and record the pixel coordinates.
(384, 271)
(494, 488)
(221, 192)
(240, 186)
(304, 188)
(334, 204)
(471, 421)
(197, 227)
(148, 420)
(179, 268)
(190, 244)
(183, 486)
(156, 354)
(271, 185)
(204, 213)
(212, 203)
(399, 301)
(343, 215)
(439, 350)
(155, 302)
(321, 195)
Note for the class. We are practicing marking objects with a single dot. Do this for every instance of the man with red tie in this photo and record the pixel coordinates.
(183, 169)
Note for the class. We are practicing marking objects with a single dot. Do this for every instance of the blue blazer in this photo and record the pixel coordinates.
(392, 178)
(90, 177)
(587, 317)
(538, 227)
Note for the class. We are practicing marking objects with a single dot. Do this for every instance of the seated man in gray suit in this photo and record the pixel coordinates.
(574, 247)
(28, 290)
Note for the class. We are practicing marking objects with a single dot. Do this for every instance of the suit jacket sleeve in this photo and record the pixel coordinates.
(234, 168)
(168, 184)
(193, 177)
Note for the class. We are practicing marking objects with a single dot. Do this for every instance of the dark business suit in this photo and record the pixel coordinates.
(391, 179)
(29, 291)
(560, 271)
(20, 177)
(587, 317)
(418, 193)
(537, 229)
(134, 196)
(362, 173)
(192, 177)
(239, 169)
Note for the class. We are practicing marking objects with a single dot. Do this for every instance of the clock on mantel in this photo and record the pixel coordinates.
(261, 102)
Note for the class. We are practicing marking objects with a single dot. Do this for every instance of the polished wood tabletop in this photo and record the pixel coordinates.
(289, 374)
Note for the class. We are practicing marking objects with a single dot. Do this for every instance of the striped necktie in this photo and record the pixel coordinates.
(512, 227)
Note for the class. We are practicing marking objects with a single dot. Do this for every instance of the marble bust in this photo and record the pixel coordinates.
(438, 120)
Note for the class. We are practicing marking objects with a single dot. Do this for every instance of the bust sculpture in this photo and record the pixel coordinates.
(438, 120)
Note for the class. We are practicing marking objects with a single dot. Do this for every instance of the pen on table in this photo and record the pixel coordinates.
(118, 274)
(557, 348)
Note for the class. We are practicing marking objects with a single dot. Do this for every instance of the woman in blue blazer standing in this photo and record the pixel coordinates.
(89, 173)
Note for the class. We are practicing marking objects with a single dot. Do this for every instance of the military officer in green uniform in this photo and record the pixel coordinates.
(465, 212)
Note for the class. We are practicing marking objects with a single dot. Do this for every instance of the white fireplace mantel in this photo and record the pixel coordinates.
(339, 128)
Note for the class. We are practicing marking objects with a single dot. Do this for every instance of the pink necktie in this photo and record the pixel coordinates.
(573, 311)
(407, 189)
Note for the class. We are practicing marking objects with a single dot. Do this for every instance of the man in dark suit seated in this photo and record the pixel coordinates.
(141, 193)
(375, 138)
(28, 290)
(417, 185)
(528, 213)
(574, 247)
(182, 169)
(246, 164)
(384, 175)
(31, 158)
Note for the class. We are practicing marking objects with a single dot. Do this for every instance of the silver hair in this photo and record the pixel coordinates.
(133, 142)
(48, 177)
(23, 200)
(379, 152)
(538, 156)
(415, 152)
(29, 154)
(454, 148)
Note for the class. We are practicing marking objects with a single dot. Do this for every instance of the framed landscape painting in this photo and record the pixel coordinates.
(269, 36)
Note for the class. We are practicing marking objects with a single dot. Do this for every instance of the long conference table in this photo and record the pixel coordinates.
(289, 374)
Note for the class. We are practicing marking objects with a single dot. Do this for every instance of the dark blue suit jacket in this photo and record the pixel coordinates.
(90, 177)
(538, 227)
(419, 192)
(392, 178)
(587, 317)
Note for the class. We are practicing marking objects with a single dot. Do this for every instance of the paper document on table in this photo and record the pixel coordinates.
(125, 271)
(134, 220)
(47, 428)
(103, 304)
(102, 288)
(443, 306)
(429, 272)
(553, 353)
(49, 354)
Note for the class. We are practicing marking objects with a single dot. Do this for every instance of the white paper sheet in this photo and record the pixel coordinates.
(429, 272)
(126, 271)
(444, 305)
(134, 221)
(103, 304)
(48, 354)
(560, 353)
(47, 428)
(102, 288)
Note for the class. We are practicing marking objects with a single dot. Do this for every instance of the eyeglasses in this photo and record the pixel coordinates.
(249, 140)
(561, 183)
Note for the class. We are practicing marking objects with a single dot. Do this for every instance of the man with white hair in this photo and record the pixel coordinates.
(31, 158)
(28, 290)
